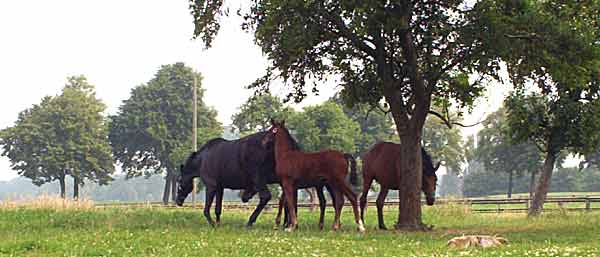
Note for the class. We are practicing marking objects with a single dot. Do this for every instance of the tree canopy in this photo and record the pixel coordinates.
(64, 135)
(255, 114)
(152, 132)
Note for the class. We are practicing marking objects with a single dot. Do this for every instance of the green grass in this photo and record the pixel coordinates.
(184, 232)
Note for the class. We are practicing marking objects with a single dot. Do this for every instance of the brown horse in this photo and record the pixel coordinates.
(382, 163)
(294, 167)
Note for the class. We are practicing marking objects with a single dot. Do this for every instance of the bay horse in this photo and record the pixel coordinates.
(244, 163)
(382, 163)
(295, 166)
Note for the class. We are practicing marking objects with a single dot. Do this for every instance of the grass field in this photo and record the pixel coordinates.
(86, 231)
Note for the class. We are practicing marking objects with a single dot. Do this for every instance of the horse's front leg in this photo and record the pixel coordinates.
(219, 205)
(210, 195)
(288, 192)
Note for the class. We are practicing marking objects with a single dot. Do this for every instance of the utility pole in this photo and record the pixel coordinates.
(195, 134)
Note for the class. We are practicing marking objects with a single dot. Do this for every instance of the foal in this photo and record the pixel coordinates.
(293, 167)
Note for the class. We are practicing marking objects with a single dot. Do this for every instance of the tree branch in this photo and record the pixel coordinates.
(450, 123)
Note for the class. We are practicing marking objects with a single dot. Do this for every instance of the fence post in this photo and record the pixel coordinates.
(588, 203)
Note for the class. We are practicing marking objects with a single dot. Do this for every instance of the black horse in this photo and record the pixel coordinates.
(245, 163)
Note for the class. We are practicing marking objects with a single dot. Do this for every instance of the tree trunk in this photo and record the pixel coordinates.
(532, 184)
(543, 185)
(510, 184)
(409, 215)
(63, 187)
(174, 187)
(167, 189)
(75, 188)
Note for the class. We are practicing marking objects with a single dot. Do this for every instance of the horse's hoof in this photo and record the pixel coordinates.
(361, 227)
(289, 229)
(382, 227)
(321, 226)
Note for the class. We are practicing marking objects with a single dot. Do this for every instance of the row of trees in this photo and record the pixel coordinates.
(67, 135)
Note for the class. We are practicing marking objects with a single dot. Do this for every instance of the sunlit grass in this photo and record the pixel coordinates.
(184, 232)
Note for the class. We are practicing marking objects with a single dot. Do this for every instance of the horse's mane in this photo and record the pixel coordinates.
(206, 145)
(294, 144)
(427, 159)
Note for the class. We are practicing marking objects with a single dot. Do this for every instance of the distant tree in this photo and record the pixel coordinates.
(152, 132)
(450, 185)
(324, 126)
(375, 124)
(499, 154)
(552, 45)
(444, 144)
(65, 135)
(255, 114)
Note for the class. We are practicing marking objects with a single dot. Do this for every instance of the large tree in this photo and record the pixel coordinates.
(152, 133)
(406, 52)
(64, 135)
(498, 153)
(555, 48)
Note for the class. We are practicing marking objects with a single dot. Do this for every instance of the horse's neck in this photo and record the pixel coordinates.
(282, 145)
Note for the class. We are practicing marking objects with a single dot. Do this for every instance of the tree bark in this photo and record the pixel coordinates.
(543, 185)
(174, 187)
(75, 188)
(409, 214)
(510, 184)
(532, 184)
(63, 187)
(167, 189)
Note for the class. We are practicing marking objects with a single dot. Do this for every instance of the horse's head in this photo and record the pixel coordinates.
(187, 172)
(429, 180)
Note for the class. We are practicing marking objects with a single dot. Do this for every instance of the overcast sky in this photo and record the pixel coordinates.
(120, 44)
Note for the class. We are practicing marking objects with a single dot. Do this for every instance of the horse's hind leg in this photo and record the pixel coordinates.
(210, 195)
(367, 181)
(338, 204)
(322, 205)
(219, 205)
(380, 202)
(352, 198)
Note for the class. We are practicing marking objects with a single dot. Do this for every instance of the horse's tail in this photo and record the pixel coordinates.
(353, 175)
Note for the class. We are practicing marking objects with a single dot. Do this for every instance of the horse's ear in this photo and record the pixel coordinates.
(282, 123)
(272, 121)
(180, 167)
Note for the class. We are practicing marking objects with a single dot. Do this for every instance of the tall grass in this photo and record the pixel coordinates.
(48, 202)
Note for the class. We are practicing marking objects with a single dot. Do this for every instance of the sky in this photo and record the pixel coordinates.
(118, 45)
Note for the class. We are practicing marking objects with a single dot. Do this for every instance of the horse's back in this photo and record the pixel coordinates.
(380, 163)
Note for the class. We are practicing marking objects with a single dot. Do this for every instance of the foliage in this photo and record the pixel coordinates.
(255, 114)
(153, 130)
(498, 153)
(444, 144)
(64, 135)
(375, 125)
(482, 182)
(324, 126)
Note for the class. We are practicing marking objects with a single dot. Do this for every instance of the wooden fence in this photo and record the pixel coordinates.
(482, 205)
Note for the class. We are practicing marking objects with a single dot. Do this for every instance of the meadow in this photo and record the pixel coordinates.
(67, 229)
